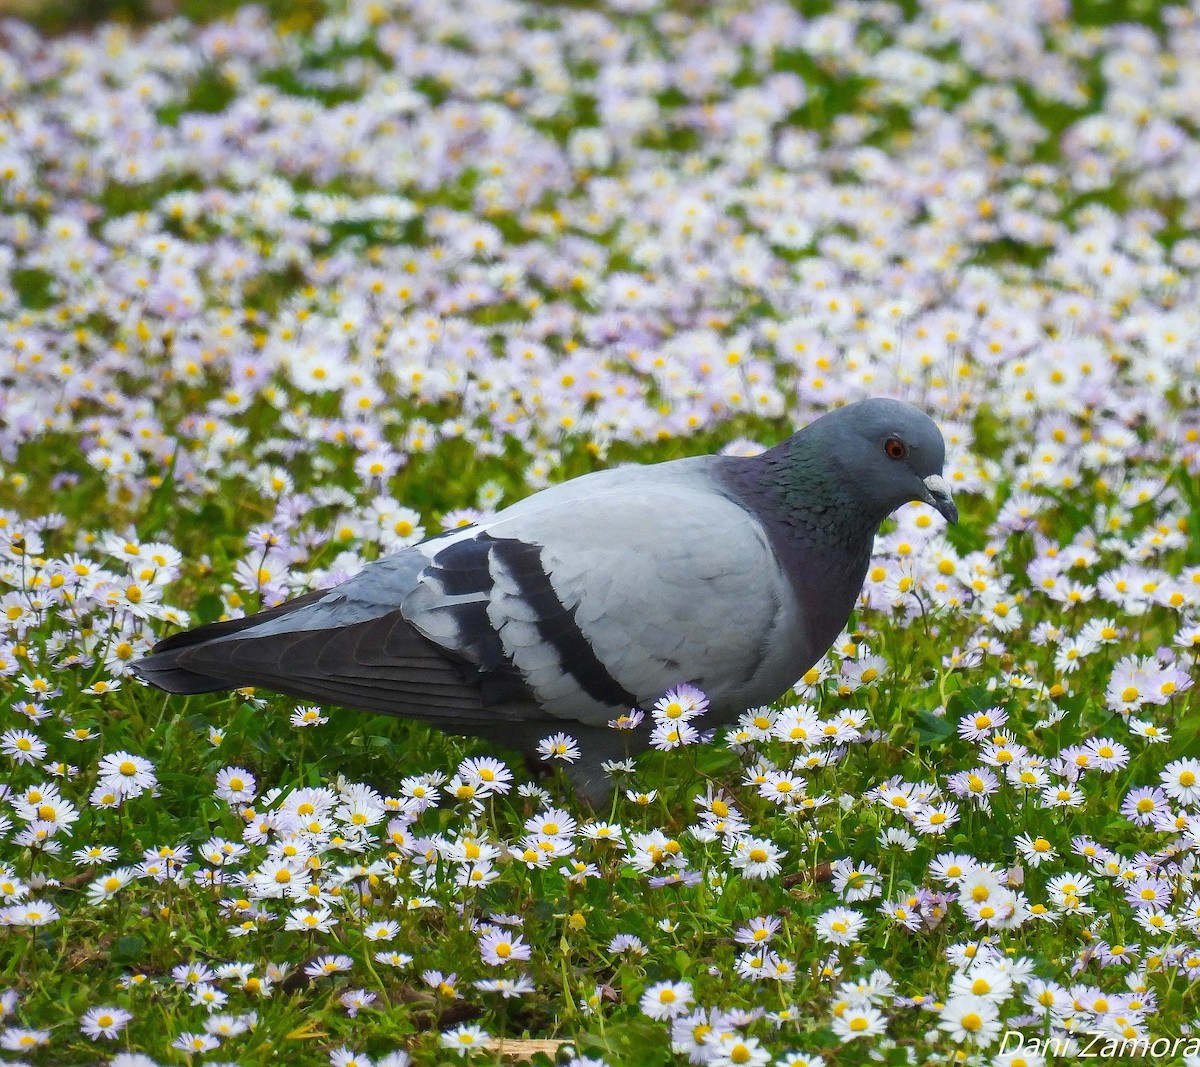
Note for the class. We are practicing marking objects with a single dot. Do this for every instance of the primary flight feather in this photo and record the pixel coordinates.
(591, 597)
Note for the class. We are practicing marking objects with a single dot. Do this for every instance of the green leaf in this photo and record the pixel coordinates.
(1097, 715)
(381, 744)
(212, 518)
(209, 608)
(933, 729)
(161, 502)
(714, 760)
(130, 948)
(1073, 703)
(35, 287)
(974, 698)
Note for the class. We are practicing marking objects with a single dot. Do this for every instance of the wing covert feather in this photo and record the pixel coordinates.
(667, 579)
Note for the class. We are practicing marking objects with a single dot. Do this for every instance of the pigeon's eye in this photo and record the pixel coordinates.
(895, 448)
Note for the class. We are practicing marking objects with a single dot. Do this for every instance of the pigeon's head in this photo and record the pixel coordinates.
(887, 453)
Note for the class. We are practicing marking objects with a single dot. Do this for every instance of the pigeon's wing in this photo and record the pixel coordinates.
(608, 593)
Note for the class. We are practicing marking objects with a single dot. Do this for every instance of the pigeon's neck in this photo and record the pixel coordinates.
(810, 494)
(818, 531)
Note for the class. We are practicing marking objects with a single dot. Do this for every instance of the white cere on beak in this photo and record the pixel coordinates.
(941, 498)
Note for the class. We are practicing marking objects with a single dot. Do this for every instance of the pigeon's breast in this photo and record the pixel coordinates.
(822, 560)
(826, 577)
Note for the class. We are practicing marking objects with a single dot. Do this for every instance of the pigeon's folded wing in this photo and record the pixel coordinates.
(608, 598)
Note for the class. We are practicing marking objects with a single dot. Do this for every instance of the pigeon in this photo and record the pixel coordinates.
(565, 610)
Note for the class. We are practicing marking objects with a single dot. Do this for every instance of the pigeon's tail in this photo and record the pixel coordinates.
(163, 668)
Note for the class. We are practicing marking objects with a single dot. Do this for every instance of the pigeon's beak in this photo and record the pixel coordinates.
(939, 496)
